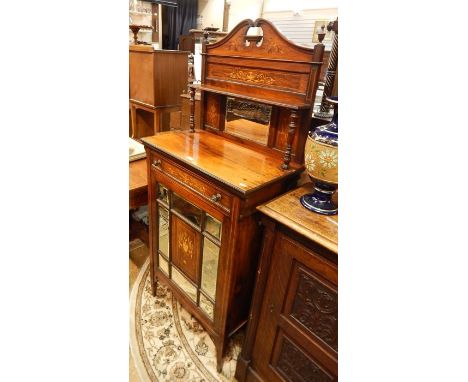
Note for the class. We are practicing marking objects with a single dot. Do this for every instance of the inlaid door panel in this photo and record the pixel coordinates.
(302, 307)
(185, 244)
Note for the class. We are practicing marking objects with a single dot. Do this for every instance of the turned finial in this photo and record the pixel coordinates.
(321, 34)
(333, 26)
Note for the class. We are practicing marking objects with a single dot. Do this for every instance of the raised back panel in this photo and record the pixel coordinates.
(268, 67)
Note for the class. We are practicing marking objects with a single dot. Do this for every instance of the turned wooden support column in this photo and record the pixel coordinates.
(191, 70)
(292, 128)
(192, 109)
(331, 72)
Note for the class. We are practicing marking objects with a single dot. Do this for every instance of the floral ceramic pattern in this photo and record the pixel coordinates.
(309, 162)
(328, 158)
(172, 345)
(321, 161)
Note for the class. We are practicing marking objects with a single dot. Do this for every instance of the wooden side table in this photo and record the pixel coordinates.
(138, 197)
(148, 120)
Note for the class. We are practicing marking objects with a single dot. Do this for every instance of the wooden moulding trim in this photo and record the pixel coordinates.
(269, 87)
(254, 65)
(219, 205)
(328, 244)
(149, 106)
(261, 100)
(263, 59)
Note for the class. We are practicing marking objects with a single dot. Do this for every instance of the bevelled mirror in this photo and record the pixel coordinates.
(248, 120)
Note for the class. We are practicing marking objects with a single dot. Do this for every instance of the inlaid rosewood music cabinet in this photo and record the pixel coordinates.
(204, 185)
(292, 334)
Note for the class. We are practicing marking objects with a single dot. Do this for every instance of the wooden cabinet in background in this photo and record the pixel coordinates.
(292, 333)
(180, 120)
(157, 78)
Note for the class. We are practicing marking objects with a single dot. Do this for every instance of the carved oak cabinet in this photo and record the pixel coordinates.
(292, 334)
(205, 184)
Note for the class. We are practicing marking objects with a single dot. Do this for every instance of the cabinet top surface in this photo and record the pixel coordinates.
(236, 166)
(288, 210)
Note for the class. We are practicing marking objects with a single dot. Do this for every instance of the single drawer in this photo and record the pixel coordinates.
(192, 181)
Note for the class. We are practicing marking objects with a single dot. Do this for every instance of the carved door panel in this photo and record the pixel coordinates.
(297, 336)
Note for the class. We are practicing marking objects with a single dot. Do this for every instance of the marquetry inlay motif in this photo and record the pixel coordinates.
(251, 77)
(273, 47)
(316, 307)
(212, 111)
(297, 367)
(186, 246)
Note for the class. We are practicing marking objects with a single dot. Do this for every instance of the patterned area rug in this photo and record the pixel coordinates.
(168, 344)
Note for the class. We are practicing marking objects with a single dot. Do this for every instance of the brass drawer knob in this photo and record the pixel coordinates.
(216, 198)
(156, 162)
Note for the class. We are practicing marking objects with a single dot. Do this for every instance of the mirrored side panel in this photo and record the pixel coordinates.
(163, 230)
(209, 267)
(213, 226)
(207, 306)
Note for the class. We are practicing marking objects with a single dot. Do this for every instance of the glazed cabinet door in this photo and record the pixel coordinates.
(188, 247)
(297, 336)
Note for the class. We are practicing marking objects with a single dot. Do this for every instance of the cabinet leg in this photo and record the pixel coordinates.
(220, 346)
(133, 118)
(154, 287)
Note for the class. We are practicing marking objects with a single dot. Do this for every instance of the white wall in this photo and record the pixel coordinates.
(293, 5)
(212, 12)
(298, 24)
(244, 9)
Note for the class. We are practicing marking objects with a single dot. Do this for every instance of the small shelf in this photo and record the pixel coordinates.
(142, 13)
(268, 101)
